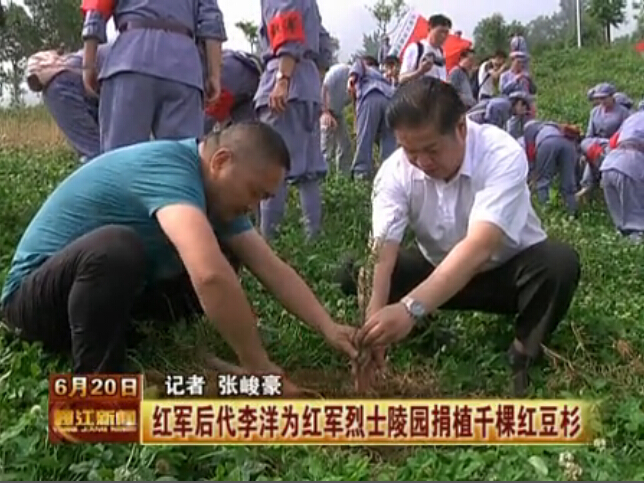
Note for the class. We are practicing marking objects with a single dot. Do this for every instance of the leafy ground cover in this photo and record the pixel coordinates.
(596, 353)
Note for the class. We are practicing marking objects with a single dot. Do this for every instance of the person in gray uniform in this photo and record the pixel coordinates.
(240, 73)
(153, 80)
(604, 121)
(59, 79)
(551, 151)
(495, 110)
(520, 113)
(289, 100)
(623, 178)
(372, 93)
(336, 142)
(623, 99)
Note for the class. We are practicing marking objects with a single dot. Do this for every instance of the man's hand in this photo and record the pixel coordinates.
(342, 337)
(351, 85)
(389, 325)
(279, 96)
(90, 81)
(426, 64)
(90, 70)
(328, 121)
(213, 88)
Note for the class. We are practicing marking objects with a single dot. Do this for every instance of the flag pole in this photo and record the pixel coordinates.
(579, 24)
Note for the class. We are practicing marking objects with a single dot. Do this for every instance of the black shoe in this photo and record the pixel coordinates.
(519, 364)
(346, 275)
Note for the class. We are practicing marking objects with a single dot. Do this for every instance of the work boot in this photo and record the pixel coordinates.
(519, 365)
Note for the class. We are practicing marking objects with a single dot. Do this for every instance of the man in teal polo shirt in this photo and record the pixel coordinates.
(141, 231)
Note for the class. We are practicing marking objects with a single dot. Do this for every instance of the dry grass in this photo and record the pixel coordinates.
(32, 127)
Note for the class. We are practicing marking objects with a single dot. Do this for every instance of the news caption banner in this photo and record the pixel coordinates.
(250, 410)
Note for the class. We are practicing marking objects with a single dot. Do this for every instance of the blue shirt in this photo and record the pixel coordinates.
(125, 187)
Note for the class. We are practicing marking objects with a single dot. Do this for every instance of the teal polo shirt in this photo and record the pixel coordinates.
(123, 187)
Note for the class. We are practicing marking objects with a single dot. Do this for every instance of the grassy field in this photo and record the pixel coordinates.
(597, 353)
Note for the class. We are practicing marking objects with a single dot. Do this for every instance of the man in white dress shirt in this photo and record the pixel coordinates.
(427, 58)
(461, 187)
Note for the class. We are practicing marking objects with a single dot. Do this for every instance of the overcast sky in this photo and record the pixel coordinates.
(348, 19)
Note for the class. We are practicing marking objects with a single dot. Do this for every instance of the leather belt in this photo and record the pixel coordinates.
(157, 24)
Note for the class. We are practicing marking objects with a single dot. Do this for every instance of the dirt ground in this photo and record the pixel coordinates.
(331, 384)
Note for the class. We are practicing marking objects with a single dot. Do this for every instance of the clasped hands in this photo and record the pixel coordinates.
(366, 346)
(384, 327)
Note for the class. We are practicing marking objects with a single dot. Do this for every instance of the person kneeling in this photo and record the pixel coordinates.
(623, 178)
(462, 188)
(146, 224)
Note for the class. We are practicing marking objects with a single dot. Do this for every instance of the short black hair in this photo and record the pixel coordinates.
(370, 60)
(439, 20)
(426, 101)
(501, 53)
(391, 60)
(253, 140)
(465, 53)
(518, 100)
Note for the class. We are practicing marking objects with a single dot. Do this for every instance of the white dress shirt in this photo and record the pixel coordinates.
(410, 57)
(490, 186)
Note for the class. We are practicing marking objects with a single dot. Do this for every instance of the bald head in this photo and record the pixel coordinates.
(250, 141)
(242, 165)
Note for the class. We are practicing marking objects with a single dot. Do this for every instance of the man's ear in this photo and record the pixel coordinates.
(461, 127)
(219, 159)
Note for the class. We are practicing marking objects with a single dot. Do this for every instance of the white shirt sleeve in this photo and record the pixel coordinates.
(483, 72)
(389, 207)
(408, 63)
(504, 198)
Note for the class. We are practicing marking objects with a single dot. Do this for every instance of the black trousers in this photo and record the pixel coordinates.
(84, 297)
(537, 286)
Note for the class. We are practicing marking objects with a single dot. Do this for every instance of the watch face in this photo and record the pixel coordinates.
(417, 309)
